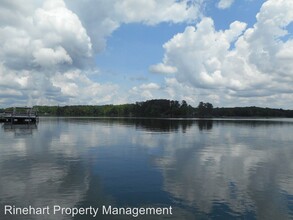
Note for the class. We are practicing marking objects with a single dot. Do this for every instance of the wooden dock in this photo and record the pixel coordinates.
(20, 115)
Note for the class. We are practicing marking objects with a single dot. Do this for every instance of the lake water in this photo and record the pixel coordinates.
(201, 169)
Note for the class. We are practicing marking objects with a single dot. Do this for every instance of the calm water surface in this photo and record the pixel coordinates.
(214, 169)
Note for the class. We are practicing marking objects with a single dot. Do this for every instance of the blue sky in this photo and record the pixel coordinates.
(229, 53)
(243, 10)
(132, 48)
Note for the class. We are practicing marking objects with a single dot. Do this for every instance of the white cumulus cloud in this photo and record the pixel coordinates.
(163, 68)
(48, 46)
(223, 4)
(242, 65)
(103, 17)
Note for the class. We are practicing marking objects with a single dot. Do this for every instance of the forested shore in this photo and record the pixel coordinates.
(159, 108)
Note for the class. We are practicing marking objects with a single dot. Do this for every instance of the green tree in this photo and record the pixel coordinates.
(205, 109)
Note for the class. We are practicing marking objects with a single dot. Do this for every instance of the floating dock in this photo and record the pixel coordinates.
(20, 115)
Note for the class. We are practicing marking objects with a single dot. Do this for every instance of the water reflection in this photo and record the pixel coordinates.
(33, 175)
(20, 129)
(245, 173)
(205, 169)
(205, 124)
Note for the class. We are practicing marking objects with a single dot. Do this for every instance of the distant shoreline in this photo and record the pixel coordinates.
(161, 108)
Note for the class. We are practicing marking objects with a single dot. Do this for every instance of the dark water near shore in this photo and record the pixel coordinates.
(204, 169)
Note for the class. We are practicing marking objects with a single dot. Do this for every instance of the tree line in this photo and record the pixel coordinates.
(150, 108)
(160, 108)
